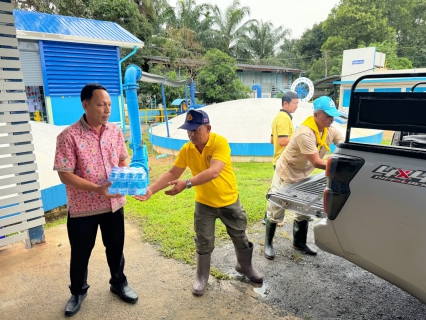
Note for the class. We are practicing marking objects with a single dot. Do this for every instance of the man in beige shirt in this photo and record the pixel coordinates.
(303, 154)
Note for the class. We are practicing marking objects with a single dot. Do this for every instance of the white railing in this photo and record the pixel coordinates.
(20, 198)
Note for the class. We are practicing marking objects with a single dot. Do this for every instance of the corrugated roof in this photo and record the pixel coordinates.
(256, 67)
(43, 26)
(240, 66)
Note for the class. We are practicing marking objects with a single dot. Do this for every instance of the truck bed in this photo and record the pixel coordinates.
(304, 197)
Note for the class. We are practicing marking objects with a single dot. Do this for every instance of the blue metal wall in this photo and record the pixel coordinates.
(68, 67)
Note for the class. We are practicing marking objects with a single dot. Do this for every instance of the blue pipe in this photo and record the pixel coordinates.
(192, 93)
(186, 98)
(123, 116)
(258, 89)
(165, 110)
(140, 154)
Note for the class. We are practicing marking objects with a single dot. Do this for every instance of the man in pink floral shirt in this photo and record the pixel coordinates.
(86, 152)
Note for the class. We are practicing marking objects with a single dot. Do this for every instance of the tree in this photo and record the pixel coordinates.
(317, 69)
(188, 14)
(45, 6)
(229, 27)
(126, 14)
(354, 23)
(217, 80)
(310, 43)
(262, 40)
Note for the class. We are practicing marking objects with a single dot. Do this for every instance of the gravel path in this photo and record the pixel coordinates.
(321, 287)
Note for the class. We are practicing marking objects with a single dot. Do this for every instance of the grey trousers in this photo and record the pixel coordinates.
(233, 217)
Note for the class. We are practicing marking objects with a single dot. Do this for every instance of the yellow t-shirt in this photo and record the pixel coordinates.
(221, 191)
(281, 127)
(293, 165)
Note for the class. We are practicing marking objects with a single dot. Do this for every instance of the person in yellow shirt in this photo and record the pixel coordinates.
(208, 156)
(303, 154)
(282, 126)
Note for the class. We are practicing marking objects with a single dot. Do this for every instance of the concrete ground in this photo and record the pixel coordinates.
(34, 285)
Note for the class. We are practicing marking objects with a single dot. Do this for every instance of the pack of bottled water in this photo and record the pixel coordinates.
(131, 181)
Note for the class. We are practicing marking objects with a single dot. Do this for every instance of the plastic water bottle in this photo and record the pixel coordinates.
(122, 180)
(140, 182)
(113, 177)
(131, 182)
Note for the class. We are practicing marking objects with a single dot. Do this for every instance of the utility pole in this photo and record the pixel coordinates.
(326, 64)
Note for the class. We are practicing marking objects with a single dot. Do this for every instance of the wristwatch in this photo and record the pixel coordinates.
(188, 184)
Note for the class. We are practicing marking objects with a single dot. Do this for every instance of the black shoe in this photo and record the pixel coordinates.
(268, 249)
(306, 250)
(300, 232)
(125, 293)
(74, 304)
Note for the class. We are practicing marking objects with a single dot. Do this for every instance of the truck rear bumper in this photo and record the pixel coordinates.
(325, 237)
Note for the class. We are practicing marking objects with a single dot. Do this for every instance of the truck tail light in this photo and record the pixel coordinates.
(339, 172)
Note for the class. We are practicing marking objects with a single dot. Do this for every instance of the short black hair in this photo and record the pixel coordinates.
(87, 92)
(288, 96)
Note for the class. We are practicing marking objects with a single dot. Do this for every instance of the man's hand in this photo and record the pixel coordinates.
(103, 190)
(178, 187)
(145, 197)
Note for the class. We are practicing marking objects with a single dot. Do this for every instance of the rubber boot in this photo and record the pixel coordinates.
(202, 275)
(268, 249)
(300, 232)
(244, 264)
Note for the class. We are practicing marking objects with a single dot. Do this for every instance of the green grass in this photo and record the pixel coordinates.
(55, 222)
(168, 221)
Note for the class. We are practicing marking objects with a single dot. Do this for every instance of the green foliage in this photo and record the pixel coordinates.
(309, 44)
(125, 13)
(317, 70)
(262, 40)
(217, 80)
(354, 23)
(149, 90)
(228, 27)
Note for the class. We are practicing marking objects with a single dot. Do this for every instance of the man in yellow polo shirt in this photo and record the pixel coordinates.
(282, 125)
(208, 156)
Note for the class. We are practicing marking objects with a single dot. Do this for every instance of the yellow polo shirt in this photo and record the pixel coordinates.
(221, 191)
(281, 127)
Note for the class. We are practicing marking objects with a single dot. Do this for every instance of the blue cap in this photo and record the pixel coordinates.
(194, 119)
(327, 105)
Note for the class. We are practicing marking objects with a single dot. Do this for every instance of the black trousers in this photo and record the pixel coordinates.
(82, 236)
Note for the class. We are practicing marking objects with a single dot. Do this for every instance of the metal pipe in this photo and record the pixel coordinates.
(165, 110)
(121, 102)
(140, 154)
(258, 89)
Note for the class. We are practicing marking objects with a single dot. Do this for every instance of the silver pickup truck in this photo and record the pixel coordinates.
(372, 198)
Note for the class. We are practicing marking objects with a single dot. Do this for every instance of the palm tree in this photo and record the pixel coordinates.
(229, 27)
(262, 40)
(192, 16)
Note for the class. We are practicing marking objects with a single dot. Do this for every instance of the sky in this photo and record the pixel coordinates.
(297, 15)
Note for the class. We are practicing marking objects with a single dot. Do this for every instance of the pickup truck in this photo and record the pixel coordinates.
(372, 198)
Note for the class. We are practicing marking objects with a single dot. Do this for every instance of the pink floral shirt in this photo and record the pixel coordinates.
(82, 151)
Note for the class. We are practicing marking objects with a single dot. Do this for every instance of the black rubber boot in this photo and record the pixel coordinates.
(202, 275)
(244, 265)
(268, 249)
(300, 232)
